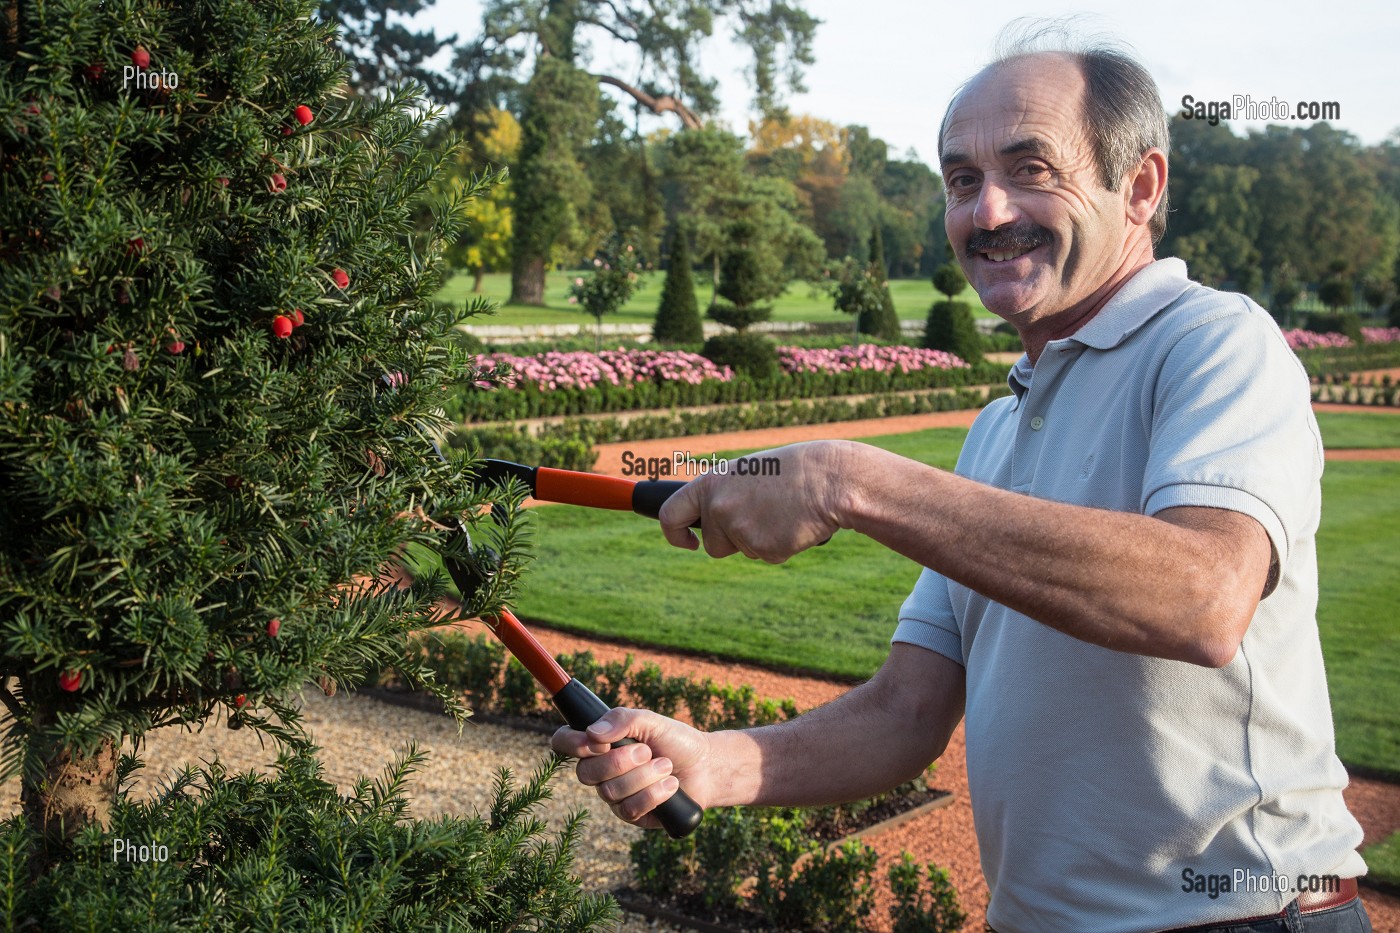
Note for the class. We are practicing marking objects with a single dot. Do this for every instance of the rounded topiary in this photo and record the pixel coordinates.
(950, 327)
(678, 317)
(949, 279)
(752, 354)
(737, 317)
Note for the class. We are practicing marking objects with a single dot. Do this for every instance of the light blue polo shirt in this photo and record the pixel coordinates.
(1103, 783)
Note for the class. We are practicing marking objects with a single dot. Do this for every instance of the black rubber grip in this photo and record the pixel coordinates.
(649, 495)
(582, 708)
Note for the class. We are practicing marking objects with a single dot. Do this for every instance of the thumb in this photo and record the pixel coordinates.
(678, 513)
(614, 726)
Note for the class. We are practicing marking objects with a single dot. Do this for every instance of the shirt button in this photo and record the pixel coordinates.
(1037, 423)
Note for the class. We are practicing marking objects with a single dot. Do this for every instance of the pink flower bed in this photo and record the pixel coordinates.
(581, 370)
(1299, 339)
(866, 356)
(1381, 334)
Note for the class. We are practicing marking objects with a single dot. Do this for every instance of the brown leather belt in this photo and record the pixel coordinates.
(1309, 902)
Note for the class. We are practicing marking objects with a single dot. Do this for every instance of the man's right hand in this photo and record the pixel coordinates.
(634, 779)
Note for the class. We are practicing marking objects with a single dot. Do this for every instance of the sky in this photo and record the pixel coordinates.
(893, 65)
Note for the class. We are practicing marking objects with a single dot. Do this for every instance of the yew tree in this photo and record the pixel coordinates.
(221, 381)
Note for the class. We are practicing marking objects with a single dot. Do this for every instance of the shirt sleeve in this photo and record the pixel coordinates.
(1232, 426)
(926, 619)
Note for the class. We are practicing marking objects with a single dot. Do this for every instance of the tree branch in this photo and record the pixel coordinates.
(663, 104)
(608, 29)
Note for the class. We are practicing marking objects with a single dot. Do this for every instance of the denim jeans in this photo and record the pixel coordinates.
(1346, 918)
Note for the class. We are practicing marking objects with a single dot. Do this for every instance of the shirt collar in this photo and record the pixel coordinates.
(1150, 289)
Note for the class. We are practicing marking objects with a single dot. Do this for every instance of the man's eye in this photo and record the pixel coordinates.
(1033, 168)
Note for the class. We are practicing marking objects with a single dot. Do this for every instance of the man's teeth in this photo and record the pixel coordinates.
(1005, 254)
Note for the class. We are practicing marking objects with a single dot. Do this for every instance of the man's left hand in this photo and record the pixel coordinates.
(778, 503)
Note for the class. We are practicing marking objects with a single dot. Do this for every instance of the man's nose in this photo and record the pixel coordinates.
(994, 206)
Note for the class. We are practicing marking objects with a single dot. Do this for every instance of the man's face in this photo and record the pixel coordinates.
(1033, 229)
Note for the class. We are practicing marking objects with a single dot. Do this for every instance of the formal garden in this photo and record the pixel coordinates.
(269, 295)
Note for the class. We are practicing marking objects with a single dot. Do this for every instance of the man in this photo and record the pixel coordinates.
(1120, 583)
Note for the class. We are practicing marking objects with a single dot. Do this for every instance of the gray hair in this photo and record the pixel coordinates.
(1122, 106)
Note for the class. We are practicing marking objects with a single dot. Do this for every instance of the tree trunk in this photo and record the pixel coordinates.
(527, 281)
(74, 791)
(478, 276)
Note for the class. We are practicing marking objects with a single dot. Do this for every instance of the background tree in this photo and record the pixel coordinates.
(678, 317)
(1336, 291)
(950, 325)
(854, 290)
(382, 50)
(557, 36)
(486, 244)
(606, 289)
(220, 376)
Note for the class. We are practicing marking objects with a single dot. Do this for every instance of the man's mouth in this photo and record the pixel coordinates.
(1005, 255)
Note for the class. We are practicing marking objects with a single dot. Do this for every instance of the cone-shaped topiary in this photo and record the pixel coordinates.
(879, 320)
(678, 317)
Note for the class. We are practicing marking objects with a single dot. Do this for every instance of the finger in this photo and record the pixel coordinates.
(678, 513)
(612, 765)
(717, 543)
(571, 743)
(637, 808)
(636, 781)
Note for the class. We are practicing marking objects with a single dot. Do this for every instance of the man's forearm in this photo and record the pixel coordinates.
(866, 741)
(1183, 588)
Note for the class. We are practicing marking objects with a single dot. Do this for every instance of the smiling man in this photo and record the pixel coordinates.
(1120, 579)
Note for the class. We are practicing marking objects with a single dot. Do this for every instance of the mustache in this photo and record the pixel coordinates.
(1020, 237)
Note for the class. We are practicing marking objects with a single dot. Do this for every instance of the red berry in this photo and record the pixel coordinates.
(282, 326)
(277, 183)
(175, 347)
(135, 246)
(286, 131)
(273, 627)
(224, 182)
(340, 279)
(304, 114)
(70, 681)
(240, 700)
(298, 318)
(141, 58)
(94, 72)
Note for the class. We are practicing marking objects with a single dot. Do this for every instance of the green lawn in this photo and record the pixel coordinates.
(1358, 561)
(1383, 860)
(912, 298)
(1348, 431)
(832, 609)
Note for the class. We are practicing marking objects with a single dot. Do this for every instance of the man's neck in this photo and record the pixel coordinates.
(1070, 320)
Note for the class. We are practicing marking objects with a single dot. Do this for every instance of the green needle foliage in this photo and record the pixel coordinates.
(221, 381)
(287, 852)
(678, 317)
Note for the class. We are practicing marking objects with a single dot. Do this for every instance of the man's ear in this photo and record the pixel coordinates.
(1146, 187)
